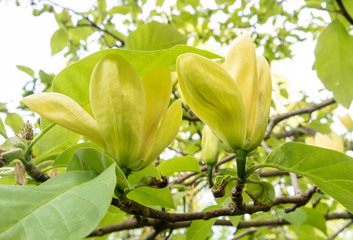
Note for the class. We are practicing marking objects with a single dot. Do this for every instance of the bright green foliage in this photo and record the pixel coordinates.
(334, 62)
(154, 36)
(179, 164)
(330, 170)
(91, 159)
(50, 210)
(58, 41)
(260, 190)
(199, 229)
(14, 121)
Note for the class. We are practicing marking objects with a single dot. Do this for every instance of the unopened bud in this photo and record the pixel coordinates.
(210, 146)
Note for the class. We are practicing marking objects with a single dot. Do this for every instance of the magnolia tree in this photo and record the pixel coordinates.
(153, 139)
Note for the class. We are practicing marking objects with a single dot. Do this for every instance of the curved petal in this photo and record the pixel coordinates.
(167, 130)
(158, 88)
(118, 104)
(240, 63)
(337, 143)
(64, 111)
(214, 97)
(263, 110)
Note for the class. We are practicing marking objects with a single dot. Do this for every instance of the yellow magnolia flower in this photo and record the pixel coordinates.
(129, 116)
(334, 142)
(233, 99)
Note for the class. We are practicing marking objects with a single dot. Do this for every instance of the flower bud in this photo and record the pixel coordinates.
(210, 146)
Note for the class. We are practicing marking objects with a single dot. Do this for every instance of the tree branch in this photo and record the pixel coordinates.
(134, 208)
(274, 120)
(135, 224)
(344, 11)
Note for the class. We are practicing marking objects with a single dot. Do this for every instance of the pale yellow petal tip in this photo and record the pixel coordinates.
(346, 121)
(242, 41)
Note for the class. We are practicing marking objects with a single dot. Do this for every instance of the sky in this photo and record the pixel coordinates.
(25, 41)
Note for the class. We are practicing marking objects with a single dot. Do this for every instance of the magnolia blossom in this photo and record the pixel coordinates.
(320, 140)
(234, 98)
(129, 116)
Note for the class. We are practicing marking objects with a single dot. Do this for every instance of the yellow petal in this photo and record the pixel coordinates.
(167, 130)
(210, 146)
(346, 121)
(158, 88)
(214, 97)
(118, 104)
(310, 141)
(322, 140)
(263, 110)
(240, 63)
(64, 111)
(337, 143)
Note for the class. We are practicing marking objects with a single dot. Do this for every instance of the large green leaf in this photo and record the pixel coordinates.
(73, 81)
(68, 206)
(149, 196)
(64, 157)
(199, 229)
(334, 61)
(56, 140)
(93, 160)
(307, 216)
(330, 170)
(179, 164)
(155, 36)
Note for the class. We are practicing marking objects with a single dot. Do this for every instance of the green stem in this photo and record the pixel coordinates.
(35, 140)
(4, 135)
(241, 162)
(258, 166)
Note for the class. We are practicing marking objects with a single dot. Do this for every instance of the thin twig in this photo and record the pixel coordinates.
(344, 12)
(274, 120)
(340, 230)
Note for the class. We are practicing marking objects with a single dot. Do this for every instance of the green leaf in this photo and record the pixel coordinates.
(315, 219)
(2, 128)
(113, 215)
(63, 159)
(330, 170)
(55, 140)
(68, 206)
(93, 160)
(154, 36)
(234, 220)
(150, 170)
(58, 41)
(263, 192)
(334, 62)
(296, 218)
(25, 69)
(179, 164)
(152, 197)
(123, 9)
(74, 80)
(45, 77)
(199, 229)
(14, 121)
